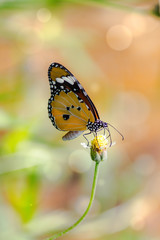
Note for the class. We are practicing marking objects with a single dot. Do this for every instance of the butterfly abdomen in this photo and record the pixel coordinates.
(71, 135)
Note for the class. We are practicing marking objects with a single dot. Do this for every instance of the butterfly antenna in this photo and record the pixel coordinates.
(116, 130)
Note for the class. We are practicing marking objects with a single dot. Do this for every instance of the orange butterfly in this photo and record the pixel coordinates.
(69, 107)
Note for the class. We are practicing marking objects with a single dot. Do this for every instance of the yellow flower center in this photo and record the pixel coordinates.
(99, 143)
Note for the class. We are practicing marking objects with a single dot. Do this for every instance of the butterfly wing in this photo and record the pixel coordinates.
(69, 106)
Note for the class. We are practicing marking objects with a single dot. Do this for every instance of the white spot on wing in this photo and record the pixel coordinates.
(72, 79)
(65, 78)
(59, 80)
(85, 94)
(69, 80)
(80, 86)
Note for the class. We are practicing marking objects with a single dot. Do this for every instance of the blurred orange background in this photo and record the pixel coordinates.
(113, 49)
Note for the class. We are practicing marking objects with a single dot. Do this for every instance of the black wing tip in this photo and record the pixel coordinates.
(58, 65)
(52, 65)
(55, 64)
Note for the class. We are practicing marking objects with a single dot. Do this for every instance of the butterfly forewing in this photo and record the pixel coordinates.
(69, 107)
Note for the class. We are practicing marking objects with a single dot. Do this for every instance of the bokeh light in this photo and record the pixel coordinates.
(139, 24)
(79, 161)
(44, 15)
(133, 107)
(145, 164)
(119, 37)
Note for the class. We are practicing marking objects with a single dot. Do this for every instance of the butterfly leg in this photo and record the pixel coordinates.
(97, 138)
(84, 135)
(104, 133)
(109, 136)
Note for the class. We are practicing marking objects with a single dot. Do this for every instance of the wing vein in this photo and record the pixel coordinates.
(70, 113)
(75, 104)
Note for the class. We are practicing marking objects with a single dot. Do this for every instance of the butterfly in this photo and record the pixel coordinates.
(70, 108)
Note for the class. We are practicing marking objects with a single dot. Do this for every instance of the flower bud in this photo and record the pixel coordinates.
(98, 149)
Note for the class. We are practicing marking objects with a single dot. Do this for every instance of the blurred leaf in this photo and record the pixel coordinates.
(14, 137)
(156, 10)
(23, 4)
(22, 192)
(19, 4)
(6, 120)
(128, 234)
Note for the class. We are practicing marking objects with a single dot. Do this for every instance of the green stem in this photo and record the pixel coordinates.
(86, 211)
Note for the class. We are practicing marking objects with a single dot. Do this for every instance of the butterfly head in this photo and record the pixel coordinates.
(97, 125)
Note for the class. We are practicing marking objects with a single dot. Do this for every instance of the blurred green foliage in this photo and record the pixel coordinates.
(21, 190)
